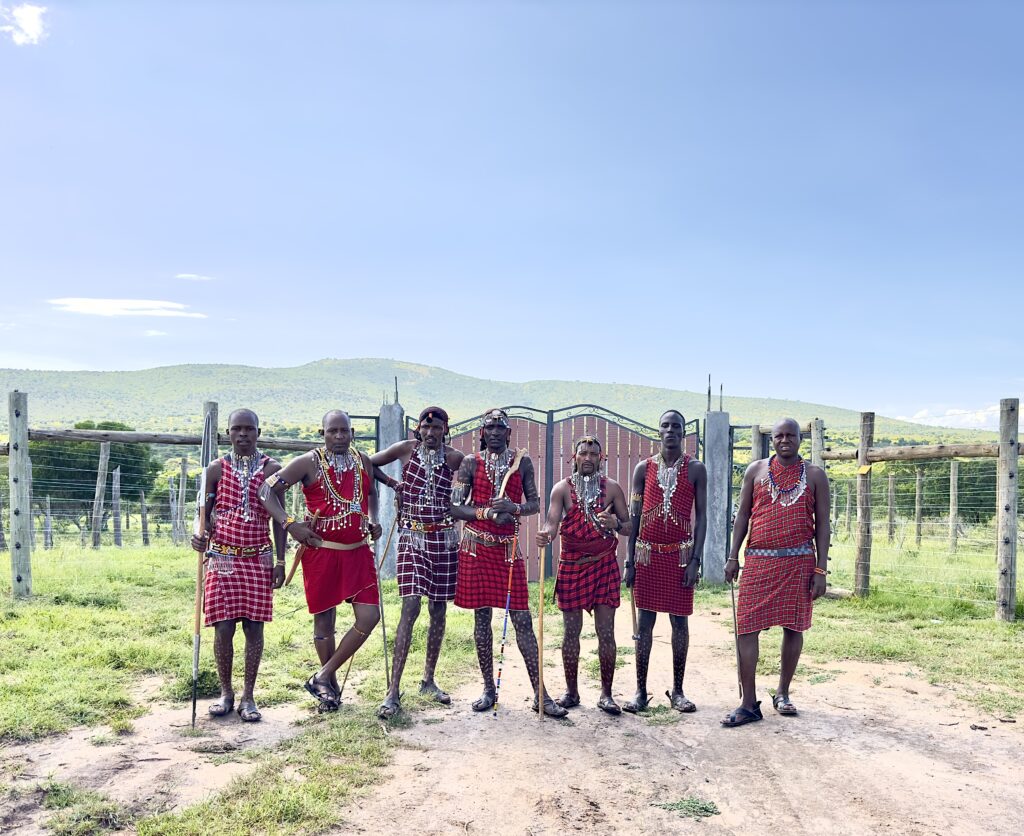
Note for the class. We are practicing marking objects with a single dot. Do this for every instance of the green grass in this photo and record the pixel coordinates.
(691, 807)
(80, 813)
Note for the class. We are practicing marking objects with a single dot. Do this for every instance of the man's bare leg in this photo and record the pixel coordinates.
(604, 624)
(680, 648)
(435, 636)
(253, 630)
(526, 640)
(323, 637)
(403, 639)
(367, 616)
(224, 656)
(573, 624)
(645, 626)
(484, 639)
(792, 645)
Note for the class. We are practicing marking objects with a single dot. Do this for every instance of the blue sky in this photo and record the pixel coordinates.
(810, 200)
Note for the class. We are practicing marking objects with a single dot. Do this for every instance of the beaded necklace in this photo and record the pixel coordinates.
(777, 473)
(245, 468)
(432, 461)
(588, 492)
(497, 465)
(341, 508)
(668, 481)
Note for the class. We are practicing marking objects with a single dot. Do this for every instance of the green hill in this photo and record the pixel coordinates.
(171, 397)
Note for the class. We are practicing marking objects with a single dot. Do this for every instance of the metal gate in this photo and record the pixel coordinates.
(548, 436)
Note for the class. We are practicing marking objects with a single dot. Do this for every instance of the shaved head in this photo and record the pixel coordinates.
(791, 422)
(334, 413)
(244, 412)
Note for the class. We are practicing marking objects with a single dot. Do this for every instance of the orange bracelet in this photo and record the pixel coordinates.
(819, 571)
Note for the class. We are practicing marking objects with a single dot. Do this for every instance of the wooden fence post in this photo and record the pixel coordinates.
(48, 527)
(1007, 490)
(19, 467)
(756, 443)
(145, 518)
(862, 576)
(954, 504)
(115, 503)
(182, 499)
(892, 507)
(918, 511)
(818, 442)
(172, 502)
(101, 487)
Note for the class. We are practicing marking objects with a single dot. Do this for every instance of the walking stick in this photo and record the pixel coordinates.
(540, 642)
(380, 597)
(301, 550)
(504, 626)
(736, 638)
(205, 455)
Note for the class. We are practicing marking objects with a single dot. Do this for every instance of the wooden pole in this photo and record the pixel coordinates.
(756, 443)
(862, 575)
(101, 487)
(892, 507)
(818, 442)
(540, 639)
(144, 518)
(48, 527)
(115, 504)
(19, 467)
(1007, 490)
(954, 504)
(172, 501)
(182, 496)
(918, 491)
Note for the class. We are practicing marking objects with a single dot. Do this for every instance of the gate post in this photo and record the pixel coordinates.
(1007, 492)
(390, 429)
(19, 476)
(717, 462)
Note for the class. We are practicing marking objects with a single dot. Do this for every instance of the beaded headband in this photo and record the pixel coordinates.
(495, 416)
(434, 413)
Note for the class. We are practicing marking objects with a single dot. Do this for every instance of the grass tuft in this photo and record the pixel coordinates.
(691, 807)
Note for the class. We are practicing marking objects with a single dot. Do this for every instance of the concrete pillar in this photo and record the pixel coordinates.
(717, 460)
(390, 430)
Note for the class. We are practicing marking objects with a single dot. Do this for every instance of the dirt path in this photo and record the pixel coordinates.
(875, 750)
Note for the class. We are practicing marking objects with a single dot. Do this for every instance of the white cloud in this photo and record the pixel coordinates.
(984, 418)
(194, 277)
(152, 332)
(23, 23)
(124, 307)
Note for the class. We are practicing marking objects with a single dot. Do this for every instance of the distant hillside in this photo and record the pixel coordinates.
(171, 397)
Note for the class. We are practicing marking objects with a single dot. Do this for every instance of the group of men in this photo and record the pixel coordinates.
(782, 515)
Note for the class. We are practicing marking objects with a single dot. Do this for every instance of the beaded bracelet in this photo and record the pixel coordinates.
(819, 571)
(481, 513)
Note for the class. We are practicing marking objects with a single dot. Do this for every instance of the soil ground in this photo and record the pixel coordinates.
(875, 750)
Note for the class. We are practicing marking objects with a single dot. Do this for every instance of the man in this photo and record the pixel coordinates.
(428, 545)
(664, 553)
(784, 504)
(588, 572)
(488, 496)
(240, 568)
(337, 563)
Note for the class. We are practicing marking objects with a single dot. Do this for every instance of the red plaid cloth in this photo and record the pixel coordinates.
(483, 567)
(583, 586)
(775, 592)
(777, 526)
(231, 528)
(246, 591)
(659, 584)
(331, 577)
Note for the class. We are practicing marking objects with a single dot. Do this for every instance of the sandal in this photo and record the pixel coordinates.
(741, 716)
(430, 689)
(248, 712)
(551, 708)
(568, 700)
(321, 691)
(389, 708)
(681, 703)
(636, 705)
(486, 701)
(222, 707)
(607, 704)
(783, 705)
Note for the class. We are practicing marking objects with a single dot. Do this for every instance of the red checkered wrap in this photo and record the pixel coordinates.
(331, 577)
(582, 586)
(659, 584)
(775, 592)
(777, 526)
(230, 527)
(483, 576)
(247, 592)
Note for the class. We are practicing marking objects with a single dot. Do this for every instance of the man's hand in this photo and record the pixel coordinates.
(376, 530)
(629, 575)
(607, 521)
(304, 534)
(544, 538)
(692, 574)
(503, 506)
(503, 519)
(817, 586)
(278, 575)
(732, 569)
(201, 541)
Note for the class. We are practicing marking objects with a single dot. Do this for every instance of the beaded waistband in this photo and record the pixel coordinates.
(223, 550)
(791, 551)
(471, 537)
(643, 551)
(428, 527)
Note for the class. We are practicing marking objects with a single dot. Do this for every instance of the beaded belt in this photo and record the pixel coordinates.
(643, 550)
(428, 527)
(471, 538)
(792, 551)
(222, 550)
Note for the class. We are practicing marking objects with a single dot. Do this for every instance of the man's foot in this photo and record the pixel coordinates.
(248, 711)
(680, 702)
(327, 707)
(637, 704)
(741, 716)
(609, 705)
(783, 705)
(389, 708)
(551, 708)
(486, 701)
(568, 700)
(430, 689)
(322, 691)
(224, 706)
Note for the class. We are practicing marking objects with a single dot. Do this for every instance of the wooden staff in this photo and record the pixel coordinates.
(380, 598)
(540, 642)
(736, 638)
(205, 454)
(301, 550)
